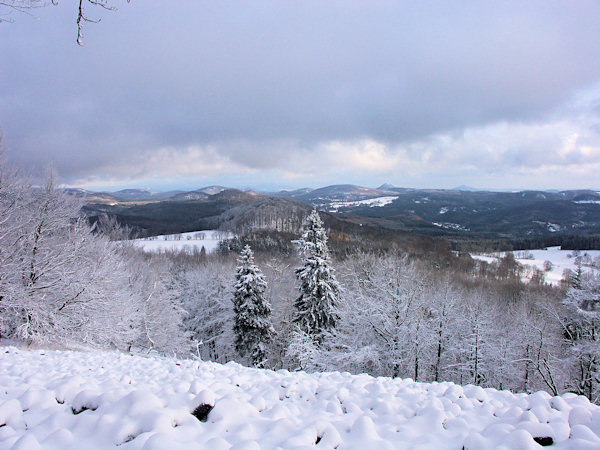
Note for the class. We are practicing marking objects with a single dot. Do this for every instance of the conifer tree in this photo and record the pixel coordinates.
(319, 290)
(253, 328)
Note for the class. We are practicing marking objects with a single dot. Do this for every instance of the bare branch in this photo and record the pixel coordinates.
(24, 6)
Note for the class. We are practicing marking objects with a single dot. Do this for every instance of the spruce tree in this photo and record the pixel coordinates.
(319, 290)
(253, 328)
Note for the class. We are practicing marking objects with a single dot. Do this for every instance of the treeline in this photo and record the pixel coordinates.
(564, 241)
(401, 316)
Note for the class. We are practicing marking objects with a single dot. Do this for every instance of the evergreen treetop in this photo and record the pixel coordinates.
(253, 328)
(319, 290)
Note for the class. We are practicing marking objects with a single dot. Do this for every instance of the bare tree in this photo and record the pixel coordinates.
(25, 6)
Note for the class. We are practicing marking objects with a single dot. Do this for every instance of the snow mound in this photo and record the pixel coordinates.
(74, 400)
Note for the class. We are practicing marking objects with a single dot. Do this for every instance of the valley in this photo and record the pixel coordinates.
(524, 219)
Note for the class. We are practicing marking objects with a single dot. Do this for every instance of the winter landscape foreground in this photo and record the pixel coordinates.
(99, 399)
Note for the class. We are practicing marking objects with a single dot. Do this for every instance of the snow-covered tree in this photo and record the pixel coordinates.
(281, 293)
(62, 281)
(205, 292)
(253, 328)
(304, 351)
(385, 308)
(582, 328)
(158, 305)
(316, 306)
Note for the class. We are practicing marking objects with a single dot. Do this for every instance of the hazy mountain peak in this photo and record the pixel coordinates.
(463, 187)
(212, 190)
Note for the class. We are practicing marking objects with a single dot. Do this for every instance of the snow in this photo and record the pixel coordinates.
(370, 202)
(553, 227)
(581, 202)
(560, 259)
(187, 242)
(450, 226)
(74, 400)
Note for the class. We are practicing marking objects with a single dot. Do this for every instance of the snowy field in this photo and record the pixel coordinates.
(560, 259)
(187, 242)
(370, 202)
(93, 400)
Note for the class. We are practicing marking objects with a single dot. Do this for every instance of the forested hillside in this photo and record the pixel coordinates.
(468, 219)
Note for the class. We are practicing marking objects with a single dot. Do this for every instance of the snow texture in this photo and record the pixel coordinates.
(187, 242)
(75, 400)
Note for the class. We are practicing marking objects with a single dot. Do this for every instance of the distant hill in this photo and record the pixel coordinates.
(340, 192)
(455, 214)
(295, 193)
(481, 214)
(199, 194)
(132, 195)
(462, 187)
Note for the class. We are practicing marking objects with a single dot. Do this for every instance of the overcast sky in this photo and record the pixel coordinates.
(284, 94)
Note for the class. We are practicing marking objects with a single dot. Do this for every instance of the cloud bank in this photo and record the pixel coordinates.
(429, 94)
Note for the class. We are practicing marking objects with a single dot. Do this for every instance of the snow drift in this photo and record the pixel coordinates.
(74, 400)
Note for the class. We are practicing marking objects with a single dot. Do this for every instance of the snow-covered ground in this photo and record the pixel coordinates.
(370, 202)
(92, 400)
(188, 242)
(560, 259)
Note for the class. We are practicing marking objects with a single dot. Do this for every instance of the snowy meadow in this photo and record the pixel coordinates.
(183, 242)
(554, 263)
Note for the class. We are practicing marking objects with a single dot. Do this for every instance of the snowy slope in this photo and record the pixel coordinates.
(188, 242)
(370, 202)
(89, 400)
(560, 259)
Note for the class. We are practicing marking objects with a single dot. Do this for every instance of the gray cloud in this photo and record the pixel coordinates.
(270, 84)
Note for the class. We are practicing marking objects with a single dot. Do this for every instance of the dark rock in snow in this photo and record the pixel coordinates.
(544, 441)
(201, 412)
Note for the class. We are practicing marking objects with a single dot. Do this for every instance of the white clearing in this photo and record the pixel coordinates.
(560, 259)
(450, 226)
(94, 400)
(370, 202)
(186, 242)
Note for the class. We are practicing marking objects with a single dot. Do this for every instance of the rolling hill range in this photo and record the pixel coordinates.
(454, 214)
(483, 214)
